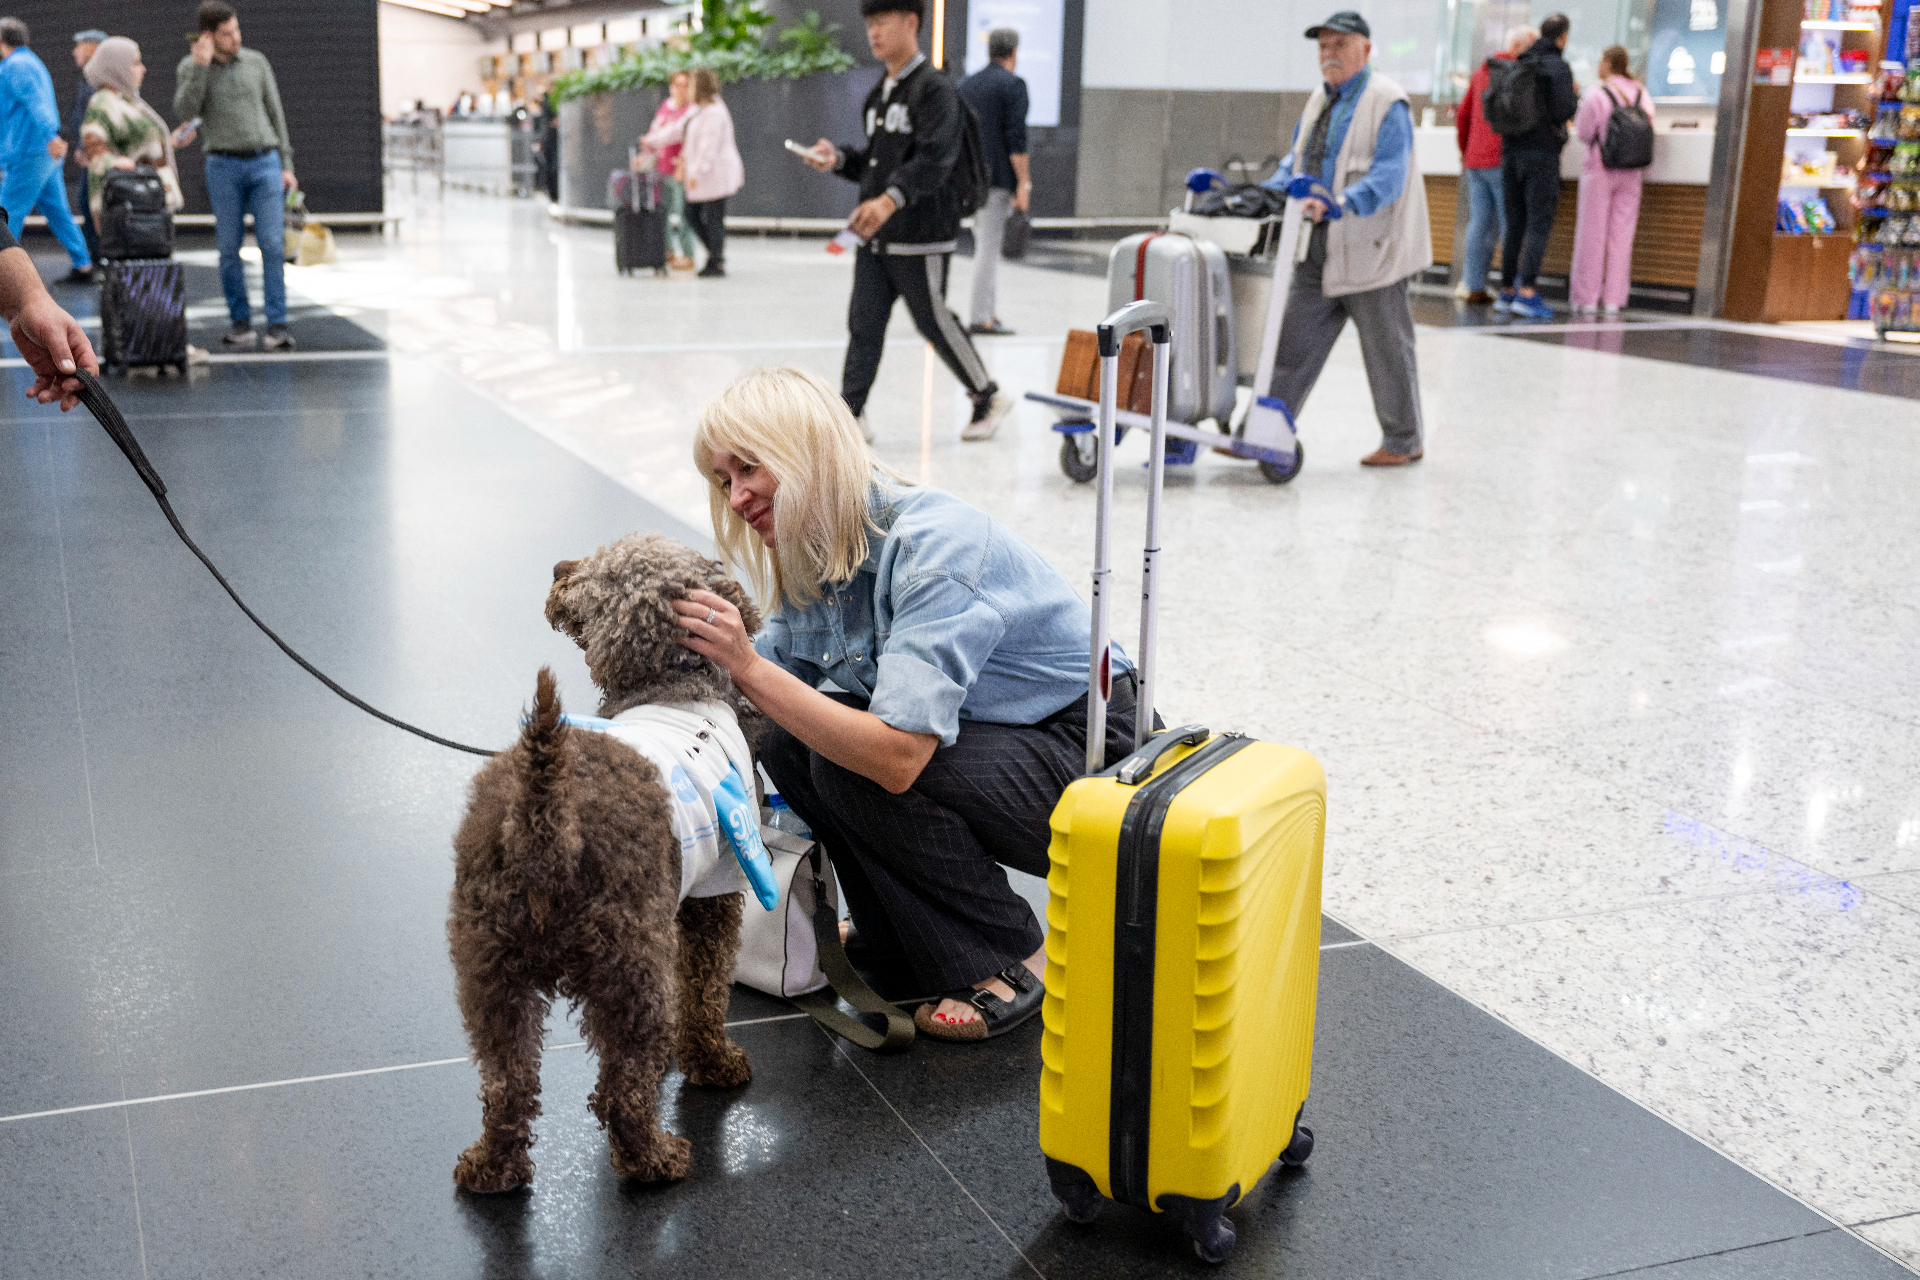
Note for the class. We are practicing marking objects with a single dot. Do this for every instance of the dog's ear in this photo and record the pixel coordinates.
(736, 595)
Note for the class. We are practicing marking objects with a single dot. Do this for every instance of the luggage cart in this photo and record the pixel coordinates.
(1265, 433)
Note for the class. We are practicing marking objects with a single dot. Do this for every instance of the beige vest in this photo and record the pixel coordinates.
(1392, 242)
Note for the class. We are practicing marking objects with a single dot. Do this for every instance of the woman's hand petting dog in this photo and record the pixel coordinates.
(723, 641)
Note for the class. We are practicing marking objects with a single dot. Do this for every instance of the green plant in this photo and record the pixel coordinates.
(731, 41)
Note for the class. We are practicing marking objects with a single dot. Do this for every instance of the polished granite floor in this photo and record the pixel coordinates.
(1615, 691)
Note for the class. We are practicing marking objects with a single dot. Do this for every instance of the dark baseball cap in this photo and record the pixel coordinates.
(1346, 21)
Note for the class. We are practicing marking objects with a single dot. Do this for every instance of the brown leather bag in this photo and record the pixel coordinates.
(1080, 366)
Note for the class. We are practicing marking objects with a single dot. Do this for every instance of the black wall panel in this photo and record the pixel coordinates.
(326, 58)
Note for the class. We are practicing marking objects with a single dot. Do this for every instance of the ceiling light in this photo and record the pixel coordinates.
(429, 6)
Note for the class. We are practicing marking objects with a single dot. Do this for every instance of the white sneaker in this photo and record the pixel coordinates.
(1611, 313)
(983, 427)
(866, 428)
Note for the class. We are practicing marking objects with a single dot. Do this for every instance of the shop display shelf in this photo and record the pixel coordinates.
(1813, 24)
(1826, 133)
(1859, 79)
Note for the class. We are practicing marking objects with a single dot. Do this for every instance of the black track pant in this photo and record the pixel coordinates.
(1530, 187)
(709, 222)
(921, 279)
(919, 869)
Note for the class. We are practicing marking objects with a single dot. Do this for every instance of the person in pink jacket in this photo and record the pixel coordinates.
(1609, 208)
(710, 163)
(662, 141)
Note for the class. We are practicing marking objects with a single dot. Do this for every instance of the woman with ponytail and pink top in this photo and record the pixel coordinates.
(1609, 198)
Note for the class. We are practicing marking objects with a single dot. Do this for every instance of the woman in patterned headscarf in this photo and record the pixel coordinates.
(120, 130)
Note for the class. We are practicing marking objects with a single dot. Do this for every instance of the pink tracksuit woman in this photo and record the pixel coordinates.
(1609, 198)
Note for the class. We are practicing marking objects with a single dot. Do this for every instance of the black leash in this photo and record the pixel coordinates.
(95, 397)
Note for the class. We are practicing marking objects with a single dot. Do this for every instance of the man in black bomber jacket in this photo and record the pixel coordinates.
(908, 213)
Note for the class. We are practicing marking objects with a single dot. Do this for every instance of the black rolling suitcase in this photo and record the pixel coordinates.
(143, 314)
(143, 299)
(639, 223)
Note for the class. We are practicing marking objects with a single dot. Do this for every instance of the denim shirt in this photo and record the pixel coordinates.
(1392, 150)
(951, 617)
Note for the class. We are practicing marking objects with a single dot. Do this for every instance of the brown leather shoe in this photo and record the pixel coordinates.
(1381, 458)
(1480, 298)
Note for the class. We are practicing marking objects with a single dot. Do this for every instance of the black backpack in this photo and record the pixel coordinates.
(1511, 103)
(1629, 140)
(134, 221)
(971, 177)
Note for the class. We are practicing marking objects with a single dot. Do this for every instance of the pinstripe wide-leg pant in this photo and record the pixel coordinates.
(920, 869)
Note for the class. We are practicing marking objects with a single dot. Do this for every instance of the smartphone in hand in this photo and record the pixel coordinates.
(186, 132)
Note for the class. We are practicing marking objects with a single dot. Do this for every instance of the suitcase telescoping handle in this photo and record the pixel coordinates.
(1157, 319)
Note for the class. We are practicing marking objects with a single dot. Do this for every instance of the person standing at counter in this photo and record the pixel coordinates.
(1609, 198)
(1530, 171)
(1480, 171)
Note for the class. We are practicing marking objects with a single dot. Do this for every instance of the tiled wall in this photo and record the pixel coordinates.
(1146, 140)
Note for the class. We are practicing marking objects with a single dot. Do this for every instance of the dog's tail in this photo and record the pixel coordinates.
(542, 834)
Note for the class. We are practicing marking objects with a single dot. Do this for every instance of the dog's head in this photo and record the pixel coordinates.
(617, 605)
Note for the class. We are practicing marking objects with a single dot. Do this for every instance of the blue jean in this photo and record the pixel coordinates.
(36, 183)
(1486, 224)
(236, 188)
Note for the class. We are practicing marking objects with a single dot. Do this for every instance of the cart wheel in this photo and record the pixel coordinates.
(1299, 1149)
(1277, 474)
(1079, 466)
(1079, 1197)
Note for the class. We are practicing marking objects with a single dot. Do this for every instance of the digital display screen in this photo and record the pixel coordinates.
(1041, 24)
(1687, 49)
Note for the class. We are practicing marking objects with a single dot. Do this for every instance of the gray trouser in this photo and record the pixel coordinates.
(1384, 321)
(989, 224)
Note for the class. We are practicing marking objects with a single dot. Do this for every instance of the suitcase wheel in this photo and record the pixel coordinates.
(1299, 1149)
(1079, 1197)
(1080, 462)
(1280, 475)
(1213, 1241)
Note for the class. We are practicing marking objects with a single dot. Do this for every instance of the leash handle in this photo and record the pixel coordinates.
(107, 414)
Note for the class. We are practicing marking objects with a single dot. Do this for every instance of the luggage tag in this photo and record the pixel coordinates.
(740, 819)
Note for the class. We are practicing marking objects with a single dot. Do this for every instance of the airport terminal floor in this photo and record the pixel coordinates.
(1617, 693)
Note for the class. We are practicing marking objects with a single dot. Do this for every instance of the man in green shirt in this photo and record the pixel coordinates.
(231, 91)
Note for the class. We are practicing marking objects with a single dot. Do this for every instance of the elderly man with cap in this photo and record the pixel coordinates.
(84, 45)
(1356, 138)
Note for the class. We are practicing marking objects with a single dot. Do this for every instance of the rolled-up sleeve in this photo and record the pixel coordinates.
(943, 634)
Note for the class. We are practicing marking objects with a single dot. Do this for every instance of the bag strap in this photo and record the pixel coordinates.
(845, 983)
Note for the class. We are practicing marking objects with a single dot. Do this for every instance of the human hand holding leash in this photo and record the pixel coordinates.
(51, 341)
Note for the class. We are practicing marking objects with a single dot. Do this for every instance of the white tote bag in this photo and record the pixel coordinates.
(778, 953)
(794, 950)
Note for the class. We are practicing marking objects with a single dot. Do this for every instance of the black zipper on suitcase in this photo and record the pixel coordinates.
(1135, 911)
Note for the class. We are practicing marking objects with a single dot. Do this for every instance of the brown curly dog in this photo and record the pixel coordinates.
(567, 881)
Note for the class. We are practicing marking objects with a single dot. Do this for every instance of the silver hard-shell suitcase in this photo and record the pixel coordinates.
(1190, 278)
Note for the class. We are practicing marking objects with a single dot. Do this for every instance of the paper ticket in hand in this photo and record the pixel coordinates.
(844, 241)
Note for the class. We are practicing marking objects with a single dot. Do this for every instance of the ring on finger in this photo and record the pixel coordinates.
(711, 615)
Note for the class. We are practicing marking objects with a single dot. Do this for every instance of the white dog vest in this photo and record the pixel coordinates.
(698, 749)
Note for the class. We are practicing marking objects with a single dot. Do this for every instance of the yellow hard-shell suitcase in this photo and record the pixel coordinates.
(1183, 946)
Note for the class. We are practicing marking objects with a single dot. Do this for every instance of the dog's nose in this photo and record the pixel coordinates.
(564, 570)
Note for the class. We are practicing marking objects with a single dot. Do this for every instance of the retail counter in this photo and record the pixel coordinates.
(1673, 205)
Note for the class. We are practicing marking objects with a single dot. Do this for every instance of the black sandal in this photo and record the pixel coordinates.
(997, 1016)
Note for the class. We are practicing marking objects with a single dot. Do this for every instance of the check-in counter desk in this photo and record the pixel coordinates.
(1673, 204)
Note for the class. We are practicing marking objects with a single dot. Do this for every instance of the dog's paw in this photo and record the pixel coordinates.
(665, 1160)
(481, 1172)
(726, 1069)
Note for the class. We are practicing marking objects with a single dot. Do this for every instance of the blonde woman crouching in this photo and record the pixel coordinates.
(964, 655)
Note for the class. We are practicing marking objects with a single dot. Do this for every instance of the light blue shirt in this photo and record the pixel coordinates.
(29, 118)
(951, 617)
(1383, 182)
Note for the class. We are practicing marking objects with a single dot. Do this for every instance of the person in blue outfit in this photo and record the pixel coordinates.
(85, 43)
(961, 655)
(32, 151)
(1356, 138)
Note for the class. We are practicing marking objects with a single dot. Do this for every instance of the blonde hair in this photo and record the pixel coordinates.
(799, 429)
(706, 85)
